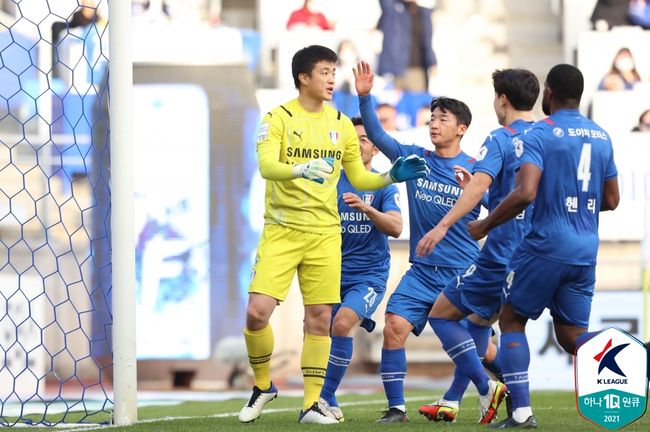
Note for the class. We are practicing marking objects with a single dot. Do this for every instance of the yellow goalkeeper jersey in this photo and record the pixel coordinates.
(290, 135)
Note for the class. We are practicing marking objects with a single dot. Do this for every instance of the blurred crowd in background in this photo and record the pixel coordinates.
(419, 48)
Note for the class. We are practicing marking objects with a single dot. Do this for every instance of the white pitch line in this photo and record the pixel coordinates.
(282, 410)
(235, 414)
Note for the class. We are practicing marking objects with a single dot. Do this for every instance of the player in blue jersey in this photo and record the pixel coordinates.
(476, 294)
(367, 219)
(429, 199)
(567, 169)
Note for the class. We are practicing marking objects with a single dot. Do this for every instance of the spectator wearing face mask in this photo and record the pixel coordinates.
(623, 74)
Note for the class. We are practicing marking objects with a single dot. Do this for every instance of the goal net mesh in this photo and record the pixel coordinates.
(55, 251)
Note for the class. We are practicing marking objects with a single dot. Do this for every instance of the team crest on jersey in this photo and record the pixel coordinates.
(368, 198)
(519, 146)
(482, 153)
(558, 132)
(334, 137)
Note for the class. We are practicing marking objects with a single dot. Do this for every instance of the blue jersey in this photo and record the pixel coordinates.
(497, 158)
(364, 248)
(429, 198)
(576, 158)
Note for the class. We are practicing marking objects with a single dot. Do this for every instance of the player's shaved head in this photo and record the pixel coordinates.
(566, 81)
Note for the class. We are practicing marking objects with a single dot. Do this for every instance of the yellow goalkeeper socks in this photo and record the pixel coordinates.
(315, 354)
(259, 345)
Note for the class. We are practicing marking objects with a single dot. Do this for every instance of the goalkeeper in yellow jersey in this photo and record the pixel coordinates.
(301, 147)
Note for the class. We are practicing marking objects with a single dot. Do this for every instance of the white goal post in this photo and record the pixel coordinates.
(122, 213)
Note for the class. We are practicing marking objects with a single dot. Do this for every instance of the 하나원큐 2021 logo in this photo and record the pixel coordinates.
(611, 378)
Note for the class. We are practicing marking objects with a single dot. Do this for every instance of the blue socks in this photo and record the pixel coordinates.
(457, 388)
(515, 360)
(460, 346)
(481, 336)
(339, 360)
(393, 372)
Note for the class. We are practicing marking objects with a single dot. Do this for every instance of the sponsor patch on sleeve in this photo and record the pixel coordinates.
(263, 132)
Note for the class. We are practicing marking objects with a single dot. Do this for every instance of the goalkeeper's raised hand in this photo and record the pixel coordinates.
(317, 170)
(406, 168)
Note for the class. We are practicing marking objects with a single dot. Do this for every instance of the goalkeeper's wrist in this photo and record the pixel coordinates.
(296, 170)
(387, 179)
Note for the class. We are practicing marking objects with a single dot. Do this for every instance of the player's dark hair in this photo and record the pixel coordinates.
(566, 81)
(357, 121)
(520, 86)
(305, 59)
(454, 106)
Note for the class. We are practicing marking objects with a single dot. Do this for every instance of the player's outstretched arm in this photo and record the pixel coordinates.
(389, 223)
(517, 200)
(470, 197)
(363, 82)
(404, 169)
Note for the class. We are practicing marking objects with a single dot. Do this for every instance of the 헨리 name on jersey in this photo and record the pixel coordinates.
(439, 188)
(587, 133)
(571, 203)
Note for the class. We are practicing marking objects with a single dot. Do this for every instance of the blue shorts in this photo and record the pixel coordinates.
(418, 291)
(533, 283)
(478, 289)
(363, 298)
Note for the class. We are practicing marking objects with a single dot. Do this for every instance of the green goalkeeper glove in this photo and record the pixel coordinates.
(406, 168)
(317, 170)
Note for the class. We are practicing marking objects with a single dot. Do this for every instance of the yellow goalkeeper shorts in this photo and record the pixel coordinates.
(316, 257)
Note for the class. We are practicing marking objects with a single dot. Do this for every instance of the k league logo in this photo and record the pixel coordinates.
(611, 378)
(607, 358)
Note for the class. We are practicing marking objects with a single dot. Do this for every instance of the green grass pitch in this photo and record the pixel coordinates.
(555, 411)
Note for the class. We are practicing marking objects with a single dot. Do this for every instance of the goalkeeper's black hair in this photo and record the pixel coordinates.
(454, 106)
(356, 121)
(520, 86)
(305, 59)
